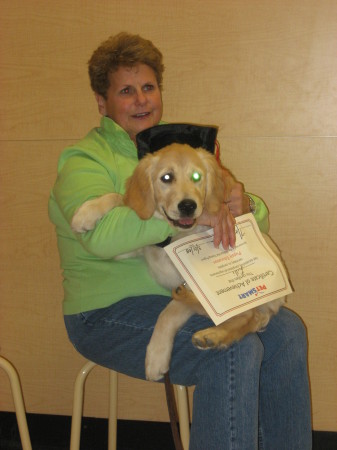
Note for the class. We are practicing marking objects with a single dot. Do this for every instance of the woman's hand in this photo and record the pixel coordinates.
(238, 202)
(223, 224)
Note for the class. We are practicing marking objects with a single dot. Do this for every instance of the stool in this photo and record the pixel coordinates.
(18, 402)
(182, 406)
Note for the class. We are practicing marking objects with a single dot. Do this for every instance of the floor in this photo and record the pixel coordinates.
(52, 433)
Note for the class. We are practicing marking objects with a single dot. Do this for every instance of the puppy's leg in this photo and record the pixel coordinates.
(158, 353)
(87, 215)
(232, 330)
(184, 295)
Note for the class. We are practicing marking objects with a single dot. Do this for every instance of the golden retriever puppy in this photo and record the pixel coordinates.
(176, 183)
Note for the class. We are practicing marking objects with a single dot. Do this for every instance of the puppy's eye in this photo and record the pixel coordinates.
(167, 178)
(196, 176)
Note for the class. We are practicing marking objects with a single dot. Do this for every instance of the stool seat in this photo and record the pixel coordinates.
(182, 406)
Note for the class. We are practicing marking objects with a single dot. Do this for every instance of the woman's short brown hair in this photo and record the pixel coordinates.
(126, 50)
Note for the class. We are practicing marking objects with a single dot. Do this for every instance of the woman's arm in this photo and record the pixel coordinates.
(241, 203)
(83, 178)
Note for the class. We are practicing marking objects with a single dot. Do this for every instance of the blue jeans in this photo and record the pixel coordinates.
(254, 395)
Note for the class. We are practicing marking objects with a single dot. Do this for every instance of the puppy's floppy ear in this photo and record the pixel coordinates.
(139, 194)
(218, 184)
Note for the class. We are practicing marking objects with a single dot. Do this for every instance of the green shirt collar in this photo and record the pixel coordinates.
(115, 134)
(117, 137)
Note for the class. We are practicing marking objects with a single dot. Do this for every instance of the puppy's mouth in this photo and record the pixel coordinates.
(183, 222)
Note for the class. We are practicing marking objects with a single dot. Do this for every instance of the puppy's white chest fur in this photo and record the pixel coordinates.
(161, 267)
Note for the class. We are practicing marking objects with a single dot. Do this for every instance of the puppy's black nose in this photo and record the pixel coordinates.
(187, 207)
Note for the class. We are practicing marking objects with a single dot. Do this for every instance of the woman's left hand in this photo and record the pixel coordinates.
(223, 224)
(238, 202)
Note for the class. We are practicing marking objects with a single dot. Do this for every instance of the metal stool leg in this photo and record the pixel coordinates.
(76, 421)
(18, 402)
(183, 412)
(112, 445)
(75, 439)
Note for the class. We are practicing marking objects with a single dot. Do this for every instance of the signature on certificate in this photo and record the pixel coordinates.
(193, 249)
(240, 273)
(239, 231)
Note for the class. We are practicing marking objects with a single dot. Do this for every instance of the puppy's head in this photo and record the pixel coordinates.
(176, 183)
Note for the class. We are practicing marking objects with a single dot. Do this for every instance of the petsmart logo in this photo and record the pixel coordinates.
(254, 291)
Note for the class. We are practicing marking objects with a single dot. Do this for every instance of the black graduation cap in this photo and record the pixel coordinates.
(160, 136)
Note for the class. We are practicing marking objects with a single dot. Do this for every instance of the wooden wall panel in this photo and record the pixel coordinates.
(253, 69)
(297, 179)
(265, 72)
(33, 335)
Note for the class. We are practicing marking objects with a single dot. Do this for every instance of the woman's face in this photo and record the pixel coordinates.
(133, 99)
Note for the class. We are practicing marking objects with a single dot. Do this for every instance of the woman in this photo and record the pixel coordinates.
(253, 395)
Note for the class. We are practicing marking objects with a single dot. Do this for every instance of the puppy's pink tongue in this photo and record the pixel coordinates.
(186, 221)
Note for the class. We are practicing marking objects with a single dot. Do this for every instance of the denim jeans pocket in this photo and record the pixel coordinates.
(91, 317)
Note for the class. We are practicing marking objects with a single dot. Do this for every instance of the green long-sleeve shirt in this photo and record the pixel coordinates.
(97, 165)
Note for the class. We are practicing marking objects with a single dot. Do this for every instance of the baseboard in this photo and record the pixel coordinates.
(324, 440)
(49, 432)
(53, 433)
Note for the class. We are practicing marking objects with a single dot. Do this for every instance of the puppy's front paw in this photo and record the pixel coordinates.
(86, 217)
(156, 363)
(180, 291)
(211, 338)
(182, 294)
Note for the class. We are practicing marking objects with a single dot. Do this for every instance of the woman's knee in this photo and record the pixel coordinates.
(285, 330)
(293, 326)
(243, 358)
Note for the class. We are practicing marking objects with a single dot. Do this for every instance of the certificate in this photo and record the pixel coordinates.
(230, 282)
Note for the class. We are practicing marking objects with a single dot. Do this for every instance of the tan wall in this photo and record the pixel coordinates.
(264, 71)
